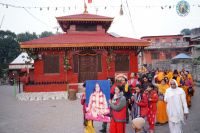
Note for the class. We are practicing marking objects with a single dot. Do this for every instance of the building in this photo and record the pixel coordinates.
(19, 66)
(195, 41)
(162, 49)
(83, 52)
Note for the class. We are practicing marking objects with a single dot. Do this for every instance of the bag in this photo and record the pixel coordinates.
(190, 91)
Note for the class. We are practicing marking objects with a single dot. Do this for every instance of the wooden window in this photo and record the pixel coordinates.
(154, 56)
(75, 63)
(122, 62)
(51, 64)
(88, 27)
(99, 63)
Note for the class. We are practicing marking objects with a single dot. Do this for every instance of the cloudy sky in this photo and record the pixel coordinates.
(144, 17)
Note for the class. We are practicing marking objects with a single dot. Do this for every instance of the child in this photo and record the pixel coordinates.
(152, 100)
(140, 103)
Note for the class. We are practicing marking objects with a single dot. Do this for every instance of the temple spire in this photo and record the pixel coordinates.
(85, 8)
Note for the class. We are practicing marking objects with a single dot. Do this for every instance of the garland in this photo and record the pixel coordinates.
(109, 59)
(67, 65)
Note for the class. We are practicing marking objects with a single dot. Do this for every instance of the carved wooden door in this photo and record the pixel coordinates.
(88, 66)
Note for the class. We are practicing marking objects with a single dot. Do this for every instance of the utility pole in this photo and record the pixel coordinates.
(2, 21)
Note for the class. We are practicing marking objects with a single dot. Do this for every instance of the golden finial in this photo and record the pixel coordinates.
(85, 8)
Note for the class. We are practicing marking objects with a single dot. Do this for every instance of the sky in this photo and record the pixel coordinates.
(141, 17)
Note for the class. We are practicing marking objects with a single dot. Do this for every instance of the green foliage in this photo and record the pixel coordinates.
(67, 65)
(9, 47)
(45, 34)
(196, 61)
(31, 55)
(9, 50)
(185, 32)
(22, 37)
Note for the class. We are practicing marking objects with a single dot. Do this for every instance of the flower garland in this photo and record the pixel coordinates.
(109, 59)
(67, 65)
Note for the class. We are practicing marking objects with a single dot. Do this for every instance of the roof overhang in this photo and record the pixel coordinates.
(20, 66)
(84, 17)
(83, 45)
(88, 19)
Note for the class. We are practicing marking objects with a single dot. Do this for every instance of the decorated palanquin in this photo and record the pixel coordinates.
(84, 51)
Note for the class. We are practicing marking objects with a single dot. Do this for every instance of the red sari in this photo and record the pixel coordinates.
(151, 116)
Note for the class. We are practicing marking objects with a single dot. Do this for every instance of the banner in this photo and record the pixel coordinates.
(97, 96)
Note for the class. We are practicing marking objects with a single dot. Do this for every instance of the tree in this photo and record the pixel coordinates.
(9, 50)
(9, 46)
(45, 34)
(22, 37)
(185, 32)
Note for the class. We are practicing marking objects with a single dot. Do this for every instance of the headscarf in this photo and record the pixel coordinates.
(175, 110)
(174, 82)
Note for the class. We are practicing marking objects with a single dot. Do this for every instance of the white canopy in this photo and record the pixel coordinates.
(21, 62)
(181, 56)
(122, 27)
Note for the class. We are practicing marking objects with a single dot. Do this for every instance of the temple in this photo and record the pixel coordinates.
(83, 52)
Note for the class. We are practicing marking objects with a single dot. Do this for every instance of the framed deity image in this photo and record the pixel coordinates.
(97, 97)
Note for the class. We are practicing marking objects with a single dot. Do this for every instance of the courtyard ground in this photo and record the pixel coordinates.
(63, 116)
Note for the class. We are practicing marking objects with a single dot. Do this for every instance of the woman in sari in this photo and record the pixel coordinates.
(161, 115)
(188, 87)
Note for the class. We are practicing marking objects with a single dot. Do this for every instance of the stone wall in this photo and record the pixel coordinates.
(196, 72)
(162, 65)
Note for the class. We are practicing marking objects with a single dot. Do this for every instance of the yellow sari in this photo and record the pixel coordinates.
(169, 75)
(161, 115)
(89, 128)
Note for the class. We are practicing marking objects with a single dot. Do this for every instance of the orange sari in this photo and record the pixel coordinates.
(188, 97)
(161, 115)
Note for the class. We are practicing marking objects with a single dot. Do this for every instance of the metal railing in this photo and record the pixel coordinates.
(167, 45)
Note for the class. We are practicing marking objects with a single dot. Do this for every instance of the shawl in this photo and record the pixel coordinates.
(176, 103)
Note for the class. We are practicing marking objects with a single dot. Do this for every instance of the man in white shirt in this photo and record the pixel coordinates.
(177, 108)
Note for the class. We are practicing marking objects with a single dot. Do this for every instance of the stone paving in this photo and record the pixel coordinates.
(62, 116)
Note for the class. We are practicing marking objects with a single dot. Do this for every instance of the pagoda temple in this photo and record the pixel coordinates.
(85, 51)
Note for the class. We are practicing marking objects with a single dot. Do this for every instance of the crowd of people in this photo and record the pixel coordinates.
(149, 98)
